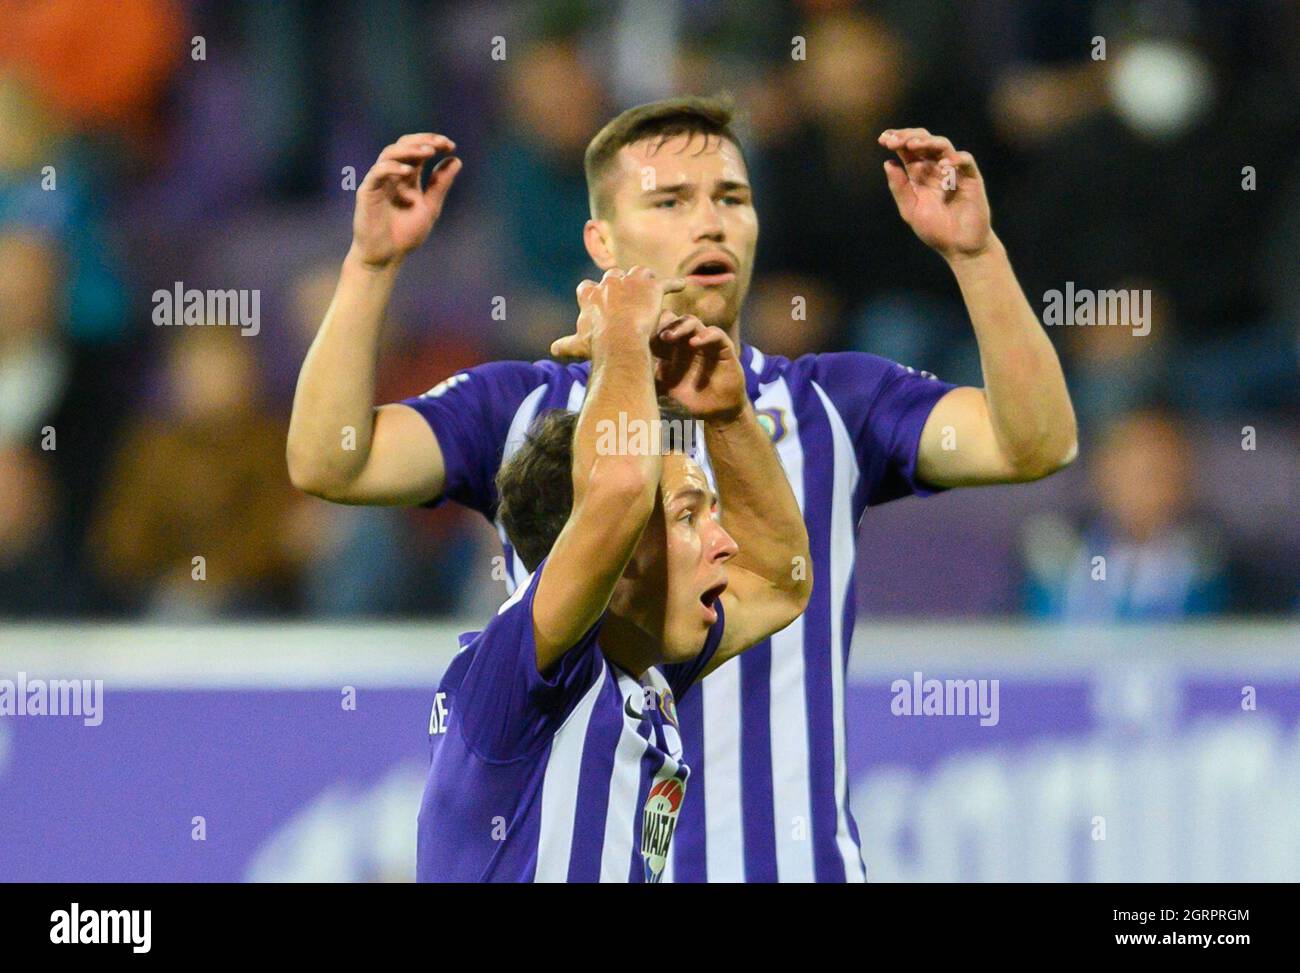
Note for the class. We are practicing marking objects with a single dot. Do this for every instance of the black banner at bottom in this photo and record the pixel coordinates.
(334, 922)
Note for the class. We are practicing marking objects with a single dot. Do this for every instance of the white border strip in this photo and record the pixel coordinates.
(414, 654)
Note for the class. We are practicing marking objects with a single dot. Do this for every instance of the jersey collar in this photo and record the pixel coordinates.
(754, 363)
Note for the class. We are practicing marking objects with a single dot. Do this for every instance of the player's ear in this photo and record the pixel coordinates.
(594, 236)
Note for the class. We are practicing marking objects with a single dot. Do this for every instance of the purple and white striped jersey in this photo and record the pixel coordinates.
(764, 734)
(573, 776)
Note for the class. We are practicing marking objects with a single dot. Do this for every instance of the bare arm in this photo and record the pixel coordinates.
(769, 580)
(1021, 425)
(613, 493)
(340, 447)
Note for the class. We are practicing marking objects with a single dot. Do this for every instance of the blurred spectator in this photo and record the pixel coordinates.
(33, 355)
(56, 394)
(1144, 554)
(1115, 367)
(790, 315)
(1033, 103)
(538, 188)
(824, 206)
(203, 477)
(1131, 164)
(920, 330)
(95, 61)
(43, 188)
(34, 577)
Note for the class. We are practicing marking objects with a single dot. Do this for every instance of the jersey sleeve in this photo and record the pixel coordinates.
(506, 707)
(884, 406)
(470, 414)
(681, 676)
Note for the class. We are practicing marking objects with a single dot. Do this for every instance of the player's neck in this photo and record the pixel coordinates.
(628, 645)
(733, 332)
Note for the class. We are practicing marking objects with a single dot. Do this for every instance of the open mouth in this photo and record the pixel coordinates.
(713, 269)
(709, 600)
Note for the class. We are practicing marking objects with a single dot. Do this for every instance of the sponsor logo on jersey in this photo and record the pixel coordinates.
(657, 823)
(630, 710)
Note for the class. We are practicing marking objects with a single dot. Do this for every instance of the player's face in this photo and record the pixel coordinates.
(685, 209)
(681, 561)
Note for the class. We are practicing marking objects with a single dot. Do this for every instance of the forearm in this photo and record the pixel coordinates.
(614, 486)
(336, 386)
(613, 499)
(758, 507)
(620, 397)
(1029, 404)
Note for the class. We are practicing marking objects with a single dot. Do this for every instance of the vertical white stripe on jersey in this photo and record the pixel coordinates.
(723, 805)
(791, 796)
(560, 789)
(724, 842)
(624, 790)
(523, 418)
(667, 876)
(843, 543)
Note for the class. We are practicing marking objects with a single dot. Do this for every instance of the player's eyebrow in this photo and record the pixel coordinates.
(688, 496)
(675, 188)
(724, 185)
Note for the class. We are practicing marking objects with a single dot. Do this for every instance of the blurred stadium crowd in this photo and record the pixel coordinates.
(209, 144)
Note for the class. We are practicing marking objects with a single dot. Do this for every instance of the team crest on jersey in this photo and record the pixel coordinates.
(773, 423)
(652, 699)
(657, 823)
(661, 700)
(668, 706)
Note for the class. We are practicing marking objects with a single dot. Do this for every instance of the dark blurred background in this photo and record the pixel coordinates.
(129, 163)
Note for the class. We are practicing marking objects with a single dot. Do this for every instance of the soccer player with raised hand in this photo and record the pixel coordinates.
(336, 387)
(557, 754)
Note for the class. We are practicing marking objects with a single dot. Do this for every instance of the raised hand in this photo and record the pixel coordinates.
(625, 302)
(698, 368)
(394, 212)
(939, 192)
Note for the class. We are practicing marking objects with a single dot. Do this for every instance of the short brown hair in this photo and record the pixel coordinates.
(664, 119)
(535, 486)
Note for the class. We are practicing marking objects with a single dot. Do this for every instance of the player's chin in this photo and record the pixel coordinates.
(685, 646)
(715, 309)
